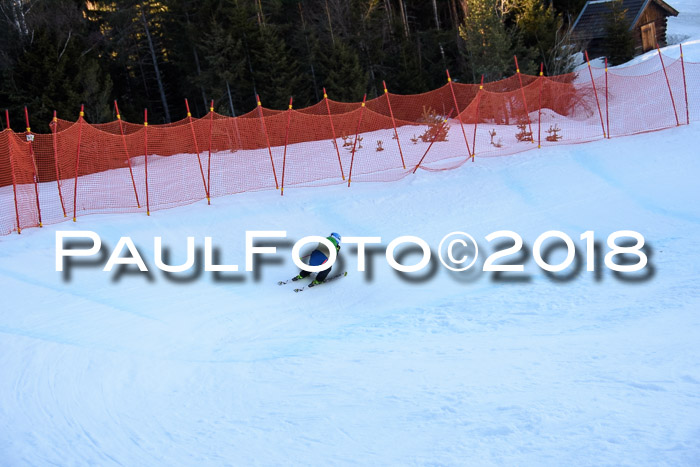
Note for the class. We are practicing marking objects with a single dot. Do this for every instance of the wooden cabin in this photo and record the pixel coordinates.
(647, 18)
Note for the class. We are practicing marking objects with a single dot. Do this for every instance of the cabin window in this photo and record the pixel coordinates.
(648, 37)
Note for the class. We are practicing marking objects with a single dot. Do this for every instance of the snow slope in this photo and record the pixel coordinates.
(685, 26)
(374, 369)
(453, 370)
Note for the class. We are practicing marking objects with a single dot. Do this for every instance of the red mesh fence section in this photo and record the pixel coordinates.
(255, 113)
(9, 220)
(25, 189)
(692, 76)
(116, 167)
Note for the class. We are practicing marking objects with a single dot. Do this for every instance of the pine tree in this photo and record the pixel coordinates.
(487, 43)
(619, 39)
(344, 78)
(188, 21)
(54, 67)
(306, 43)
(138, 46)
(276, 71)
(224, 62)
(543, 30)
(410, 77)
(156, 52)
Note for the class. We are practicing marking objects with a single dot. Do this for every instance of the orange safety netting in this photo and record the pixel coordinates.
(81, 168)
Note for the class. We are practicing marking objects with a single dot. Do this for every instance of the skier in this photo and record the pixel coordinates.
(319, 256)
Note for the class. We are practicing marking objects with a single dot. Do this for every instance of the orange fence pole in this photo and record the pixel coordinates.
(685, 88)
(335, 142)
(81, 119)
(145, 155)
(286, 134)
(211, 122)
(126, 151)
(393, 122)
(539, 109)
(673, 102)
(357, 133)
(433, 140)
(269, 149)
(607, 107)
(522, 91)
(54, 129)
(595, 92)
(459, 115)
(196, 148)
(476, 120)
(10, 134)
(30, 140)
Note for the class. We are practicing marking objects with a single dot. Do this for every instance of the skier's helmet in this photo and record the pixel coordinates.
(336, 236)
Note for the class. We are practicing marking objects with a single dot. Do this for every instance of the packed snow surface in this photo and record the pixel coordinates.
(125, 369)
(434, 367)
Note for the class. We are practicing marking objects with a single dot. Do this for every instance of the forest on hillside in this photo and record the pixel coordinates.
(59, 54)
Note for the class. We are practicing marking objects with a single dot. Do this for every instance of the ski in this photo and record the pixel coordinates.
(337, 276)
(289, 280)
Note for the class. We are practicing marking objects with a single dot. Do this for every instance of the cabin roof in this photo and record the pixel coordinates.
(590, 23)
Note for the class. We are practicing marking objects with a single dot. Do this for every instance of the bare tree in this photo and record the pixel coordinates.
(437, 19)
(404, 18)
(14, 12)
(562, 56)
